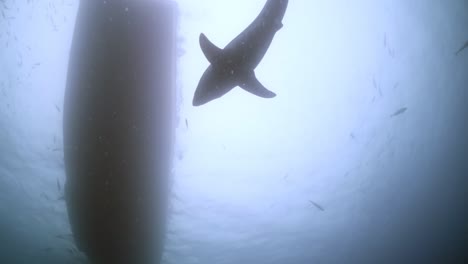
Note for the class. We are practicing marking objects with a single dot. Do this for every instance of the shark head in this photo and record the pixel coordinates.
(210, 87)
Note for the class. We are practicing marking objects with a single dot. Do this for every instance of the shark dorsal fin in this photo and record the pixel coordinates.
(210, 50)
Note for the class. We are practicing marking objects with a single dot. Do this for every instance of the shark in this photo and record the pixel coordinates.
(234, 65)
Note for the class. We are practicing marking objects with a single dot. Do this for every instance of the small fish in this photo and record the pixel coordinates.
(374, 82)
(352, 136)
(47, 249)
(55, 149)
(462, 48)
(399, 111)
(286, 176)
(317, 205)
(65, 236)
(186, 123)
(74, 251)
(61, 198)
(59, 187)
(58, 108)
(43, 195)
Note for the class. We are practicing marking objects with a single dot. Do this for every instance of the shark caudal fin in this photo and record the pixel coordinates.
(250, 83)
(210, 50)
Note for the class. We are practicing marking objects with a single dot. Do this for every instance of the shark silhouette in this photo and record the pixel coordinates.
(234, 65)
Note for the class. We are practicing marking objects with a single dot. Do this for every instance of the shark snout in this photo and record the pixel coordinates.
(198, 100)
(206, 93)
(210, 87)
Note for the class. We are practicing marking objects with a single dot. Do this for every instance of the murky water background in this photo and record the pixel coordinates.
(332, 170)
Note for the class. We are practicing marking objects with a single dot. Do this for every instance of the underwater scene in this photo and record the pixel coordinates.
(226, 132)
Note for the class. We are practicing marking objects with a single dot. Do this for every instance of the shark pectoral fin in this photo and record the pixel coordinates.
(252, 85)
(278, 25)
(209, 49)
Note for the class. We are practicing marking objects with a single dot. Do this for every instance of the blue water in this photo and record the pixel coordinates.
(322, 173)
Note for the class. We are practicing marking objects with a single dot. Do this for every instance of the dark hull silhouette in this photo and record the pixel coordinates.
(117, 128)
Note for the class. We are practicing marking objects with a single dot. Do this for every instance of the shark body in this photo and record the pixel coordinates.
(235, 64)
